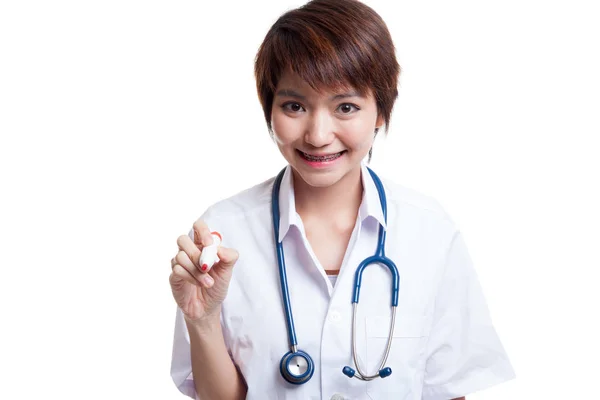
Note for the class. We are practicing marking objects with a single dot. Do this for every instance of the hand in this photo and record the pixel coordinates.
(200, 294)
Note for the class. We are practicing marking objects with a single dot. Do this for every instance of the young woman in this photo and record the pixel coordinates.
(280, 315)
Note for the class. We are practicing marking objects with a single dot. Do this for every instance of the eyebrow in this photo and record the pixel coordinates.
(292, 93)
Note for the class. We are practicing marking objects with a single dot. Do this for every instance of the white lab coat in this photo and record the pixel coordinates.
(444, 344)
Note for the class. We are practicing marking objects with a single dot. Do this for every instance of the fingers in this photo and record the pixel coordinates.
(183, 260)
(179, 274)
(183, 268)
(185, 265)
(202, 236)
(186, 245)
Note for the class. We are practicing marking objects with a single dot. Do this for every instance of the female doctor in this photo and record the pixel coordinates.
(290, 310)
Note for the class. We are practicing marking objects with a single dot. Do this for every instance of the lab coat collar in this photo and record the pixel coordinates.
(287, 204)
(369, 207)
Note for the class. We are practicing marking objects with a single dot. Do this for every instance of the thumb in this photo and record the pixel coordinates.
(227, 256)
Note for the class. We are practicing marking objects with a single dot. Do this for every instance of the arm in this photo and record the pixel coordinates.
(215, 375)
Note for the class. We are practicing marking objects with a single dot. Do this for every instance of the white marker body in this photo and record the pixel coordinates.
(209, 257)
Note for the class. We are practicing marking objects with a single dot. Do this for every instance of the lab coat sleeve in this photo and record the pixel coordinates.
(463, 353)
(181, 360)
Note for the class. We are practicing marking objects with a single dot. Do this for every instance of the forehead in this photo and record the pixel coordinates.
(291, 80)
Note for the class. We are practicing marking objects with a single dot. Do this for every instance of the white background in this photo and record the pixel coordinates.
(121, 121)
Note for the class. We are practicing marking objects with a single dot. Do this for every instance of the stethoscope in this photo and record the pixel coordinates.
(296, 366)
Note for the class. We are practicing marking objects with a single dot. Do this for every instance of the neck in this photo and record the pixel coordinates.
(338, 203)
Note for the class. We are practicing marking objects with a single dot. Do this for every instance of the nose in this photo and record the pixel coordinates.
(320, 129)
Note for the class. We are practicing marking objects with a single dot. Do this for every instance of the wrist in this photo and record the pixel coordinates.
(206, 325)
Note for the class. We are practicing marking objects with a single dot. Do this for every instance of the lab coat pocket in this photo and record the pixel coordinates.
(405, 358)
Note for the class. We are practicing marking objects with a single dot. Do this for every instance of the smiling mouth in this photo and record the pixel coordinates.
(329, 157)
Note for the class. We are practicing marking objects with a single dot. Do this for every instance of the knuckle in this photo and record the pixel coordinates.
(200, 229)
(199, 222)
(198, 225)
(181, 258)
(175, 271)
(181, 271)
(182, 239)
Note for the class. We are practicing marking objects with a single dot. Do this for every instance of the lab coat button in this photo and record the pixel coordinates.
(337, 396)
(335, 316)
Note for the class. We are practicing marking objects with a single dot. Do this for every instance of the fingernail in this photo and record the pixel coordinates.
(204, 267)
(208, 281)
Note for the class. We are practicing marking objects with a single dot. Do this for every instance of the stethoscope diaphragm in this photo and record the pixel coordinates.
(296, 367)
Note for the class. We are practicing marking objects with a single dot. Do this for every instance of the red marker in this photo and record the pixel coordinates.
(209, 257)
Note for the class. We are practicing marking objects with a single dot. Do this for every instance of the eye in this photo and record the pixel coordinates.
(348, 108)
(293, 107)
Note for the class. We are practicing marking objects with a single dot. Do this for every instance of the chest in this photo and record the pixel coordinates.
(256, 330)
(329, 245)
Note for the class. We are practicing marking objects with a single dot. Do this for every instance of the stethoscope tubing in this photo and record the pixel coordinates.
(282, 269)
(378, 258)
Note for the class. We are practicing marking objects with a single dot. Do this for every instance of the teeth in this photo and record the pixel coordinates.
(325, 158)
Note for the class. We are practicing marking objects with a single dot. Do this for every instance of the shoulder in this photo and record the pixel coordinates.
(420, 221)
(409, 197)
(408, 201)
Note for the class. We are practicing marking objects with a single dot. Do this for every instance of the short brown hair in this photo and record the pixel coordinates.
(330, 44)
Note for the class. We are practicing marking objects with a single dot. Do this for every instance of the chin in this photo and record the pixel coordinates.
(320, 179)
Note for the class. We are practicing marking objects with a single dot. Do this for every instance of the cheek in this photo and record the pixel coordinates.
(359, 135)
(285, 128)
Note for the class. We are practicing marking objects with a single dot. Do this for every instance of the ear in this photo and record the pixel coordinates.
(379, 122)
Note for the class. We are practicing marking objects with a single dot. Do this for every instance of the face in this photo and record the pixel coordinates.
(323, 136)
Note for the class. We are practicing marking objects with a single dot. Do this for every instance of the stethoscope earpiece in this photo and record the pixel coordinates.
(384, 373)
(297, 367)
(349, 372)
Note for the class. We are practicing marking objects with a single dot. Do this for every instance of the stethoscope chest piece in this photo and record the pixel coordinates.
(296, 367)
